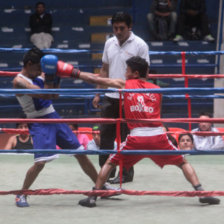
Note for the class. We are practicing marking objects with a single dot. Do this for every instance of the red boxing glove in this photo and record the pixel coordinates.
(67, 70)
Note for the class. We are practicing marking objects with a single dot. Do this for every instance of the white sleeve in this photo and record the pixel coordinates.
(218, 143)
(105, 56)
(91, 145)
(144, 52)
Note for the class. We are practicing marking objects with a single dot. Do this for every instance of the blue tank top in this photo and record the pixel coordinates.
(35, 107)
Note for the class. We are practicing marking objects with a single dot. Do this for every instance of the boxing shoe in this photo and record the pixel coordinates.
(89, 202)
(126, 177)
(116, 180)
(209, 200)
(206, 200)
(21, 201)
(108, 187)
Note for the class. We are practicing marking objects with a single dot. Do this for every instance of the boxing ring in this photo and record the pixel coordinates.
(186, 93)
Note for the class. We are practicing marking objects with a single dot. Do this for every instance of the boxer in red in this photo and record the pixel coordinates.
(143, 136)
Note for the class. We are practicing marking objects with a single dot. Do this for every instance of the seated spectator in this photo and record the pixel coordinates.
(21, 141)
(186, 141)
(207, 142)
(94, 144)
(83, 138)
(40, 23)
(192, 21)
(162, 19)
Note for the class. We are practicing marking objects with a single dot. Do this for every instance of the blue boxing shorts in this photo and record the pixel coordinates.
(47, 136)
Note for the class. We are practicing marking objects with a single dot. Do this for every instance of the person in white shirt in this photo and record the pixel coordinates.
(119, 48)
(207, 143)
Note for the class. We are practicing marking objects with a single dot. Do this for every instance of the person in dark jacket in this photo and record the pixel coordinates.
(162, 19)
(40, 24)
(193, 21)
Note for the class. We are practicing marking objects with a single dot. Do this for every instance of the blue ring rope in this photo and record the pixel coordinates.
(88, 91)
(164, 96)
(173, 65)
(69, 51)
(124, 152)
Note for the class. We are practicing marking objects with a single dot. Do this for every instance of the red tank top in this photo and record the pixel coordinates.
(141, 105)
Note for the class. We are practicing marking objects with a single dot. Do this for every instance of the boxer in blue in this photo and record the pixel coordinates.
(45, 136)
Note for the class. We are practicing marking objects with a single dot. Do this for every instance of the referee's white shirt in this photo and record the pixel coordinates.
(115, 56)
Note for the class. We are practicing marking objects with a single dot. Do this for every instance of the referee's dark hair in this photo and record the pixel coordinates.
(122, 17)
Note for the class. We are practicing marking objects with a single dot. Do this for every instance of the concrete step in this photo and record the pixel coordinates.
(99, 37)
(100, 20)
(96, 70)
(96, 56)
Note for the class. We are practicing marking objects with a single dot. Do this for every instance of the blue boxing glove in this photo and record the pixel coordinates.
(49, 67)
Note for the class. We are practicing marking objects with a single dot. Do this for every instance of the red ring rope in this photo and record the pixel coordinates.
(113, 192)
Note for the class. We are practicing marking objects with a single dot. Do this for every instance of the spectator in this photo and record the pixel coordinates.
(94, 144)
(21, 141)
(83, 138)
(40, 23)
(162, 19)
(186, 141)
(193, 21)
(207, 142)
(117, 50)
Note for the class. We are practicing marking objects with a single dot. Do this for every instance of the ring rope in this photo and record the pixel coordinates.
(106, 152)
(192, 90)
(110, 120)
(26, 131)
(192, 76)
(201, 133)
(172, 65)
(116, 192)
(217, 96)
(71, 51)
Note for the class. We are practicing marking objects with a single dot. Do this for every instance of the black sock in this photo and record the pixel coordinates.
(198, 187)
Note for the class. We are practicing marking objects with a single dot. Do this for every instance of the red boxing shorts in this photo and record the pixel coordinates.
(157, 142)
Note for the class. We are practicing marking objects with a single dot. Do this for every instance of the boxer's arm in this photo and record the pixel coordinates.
(21, 83)
(96, 79)
(104, 72)
(67, 70)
